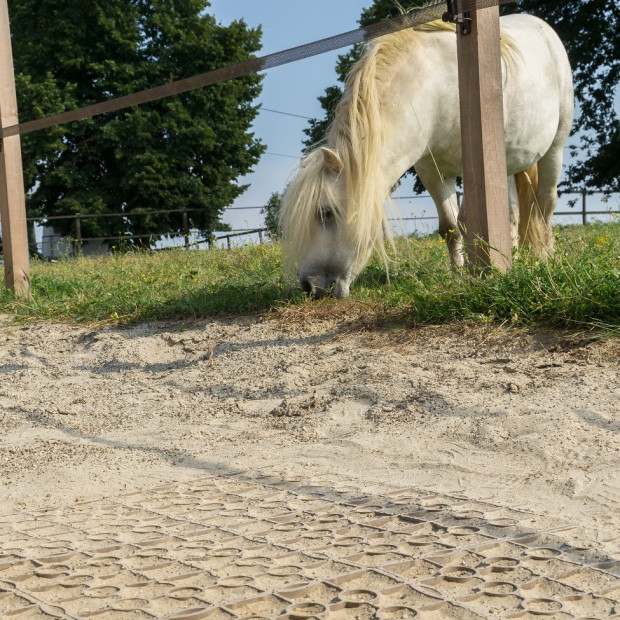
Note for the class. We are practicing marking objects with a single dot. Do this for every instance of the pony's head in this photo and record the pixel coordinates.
(332, 214)
(327, 237)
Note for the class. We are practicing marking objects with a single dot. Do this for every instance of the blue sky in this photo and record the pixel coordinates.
(292, 88)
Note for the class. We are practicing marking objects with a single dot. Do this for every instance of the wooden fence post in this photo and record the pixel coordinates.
(185, 229)
(78, 235)
(584, 213)
(12, 196)
(485, 204)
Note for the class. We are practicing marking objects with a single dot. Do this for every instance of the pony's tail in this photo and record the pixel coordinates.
(532, 224)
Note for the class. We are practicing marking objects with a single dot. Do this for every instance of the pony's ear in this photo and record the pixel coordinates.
(332, 160)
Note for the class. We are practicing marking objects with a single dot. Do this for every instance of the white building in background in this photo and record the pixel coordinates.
(54, 245)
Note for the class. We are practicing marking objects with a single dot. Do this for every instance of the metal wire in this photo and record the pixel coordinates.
(413, 18)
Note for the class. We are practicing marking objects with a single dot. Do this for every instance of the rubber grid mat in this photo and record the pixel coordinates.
(227, 547)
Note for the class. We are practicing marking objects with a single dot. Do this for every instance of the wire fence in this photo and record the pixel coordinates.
(54, 245)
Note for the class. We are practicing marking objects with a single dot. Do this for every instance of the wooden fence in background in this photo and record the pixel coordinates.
(77, 240)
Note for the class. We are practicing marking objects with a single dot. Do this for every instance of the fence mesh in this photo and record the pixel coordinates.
(417, 17)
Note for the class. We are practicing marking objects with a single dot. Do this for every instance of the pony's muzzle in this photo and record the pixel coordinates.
(318, 286)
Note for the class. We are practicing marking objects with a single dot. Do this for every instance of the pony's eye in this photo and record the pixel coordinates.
(325, 215)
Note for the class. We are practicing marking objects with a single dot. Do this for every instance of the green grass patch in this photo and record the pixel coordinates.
(578, 287)
(139, 286)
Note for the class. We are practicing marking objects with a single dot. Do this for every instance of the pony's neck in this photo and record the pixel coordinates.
(378, 151)
(408, 124)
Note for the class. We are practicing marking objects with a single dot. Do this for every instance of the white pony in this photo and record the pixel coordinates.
(401, 108)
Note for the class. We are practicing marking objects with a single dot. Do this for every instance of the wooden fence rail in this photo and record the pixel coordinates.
(584, 193)
(583, 201)
(79, 239)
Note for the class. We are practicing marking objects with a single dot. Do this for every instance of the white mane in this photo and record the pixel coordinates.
(356, 135)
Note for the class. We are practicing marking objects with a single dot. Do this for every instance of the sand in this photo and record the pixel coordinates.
(523, 419)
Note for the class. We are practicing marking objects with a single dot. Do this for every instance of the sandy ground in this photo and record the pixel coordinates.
(527, 420)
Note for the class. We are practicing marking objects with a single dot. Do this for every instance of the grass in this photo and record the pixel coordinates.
(138, 286)
(578, 287)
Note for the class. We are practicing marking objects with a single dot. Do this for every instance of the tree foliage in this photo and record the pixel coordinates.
(271, 211)
(182, 152)
(589, 30)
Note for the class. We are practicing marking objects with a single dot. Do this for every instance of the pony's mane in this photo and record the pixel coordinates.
(356, 134)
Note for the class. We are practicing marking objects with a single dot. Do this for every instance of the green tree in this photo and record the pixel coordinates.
(589, 30)
(271, 211)
(181, 152)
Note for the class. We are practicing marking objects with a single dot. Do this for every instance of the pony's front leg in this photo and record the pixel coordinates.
(443, 193)
(449, 229)
(513, 211)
